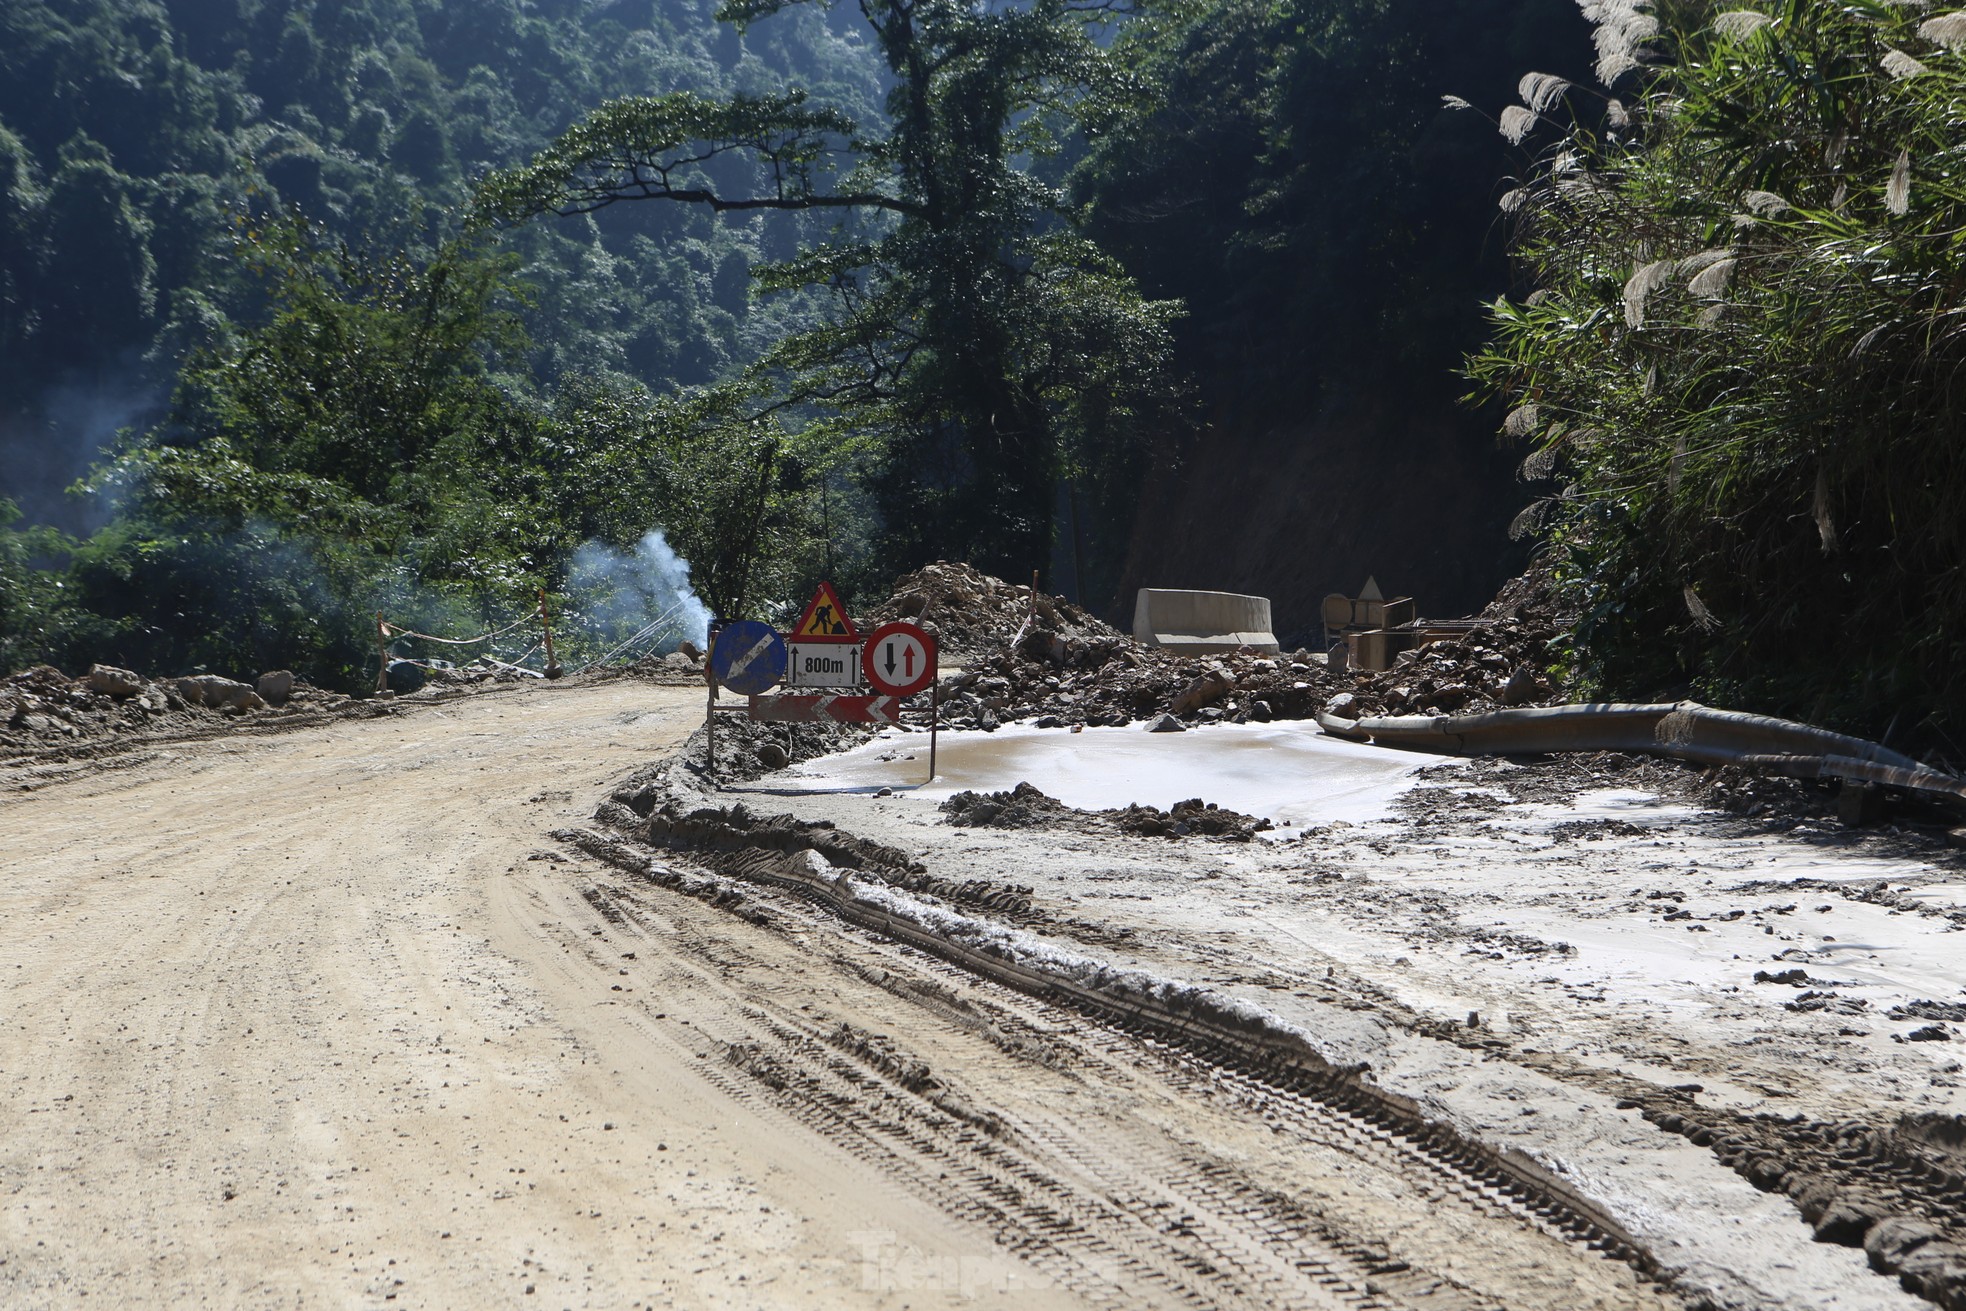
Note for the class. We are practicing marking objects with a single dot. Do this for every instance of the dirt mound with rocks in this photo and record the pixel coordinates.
(973, 615)
(1025, 806)
(1029, 656)
(43, 709)
(1193, 818)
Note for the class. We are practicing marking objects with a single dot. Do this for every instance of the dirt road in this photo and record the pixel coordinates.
(294, 1021)
(324, 1019)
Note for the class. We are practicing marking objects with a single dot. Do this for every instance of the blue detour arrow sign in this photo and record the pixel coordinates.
(749, 657)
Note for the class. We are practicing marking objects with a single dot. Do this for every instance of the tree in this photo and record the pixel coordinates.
(980, 349)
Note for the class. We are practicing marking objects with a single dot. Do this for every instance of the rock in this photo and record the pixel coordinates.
(987, 721)
(1213, 685)
(911, 604)
(1890, 1241)
(406, 676)
(1261, 712)
(773, 756)
(1166, 724)
(1521, 688)
(1342, 706)
(276, 686)
(111, 681)
(216, 693)
(689, 651)
(1453, 696)
(1043, 645)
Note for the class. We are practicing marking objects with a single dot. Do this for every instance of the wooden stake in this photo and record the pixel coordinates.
(382, 654)
(546, 625)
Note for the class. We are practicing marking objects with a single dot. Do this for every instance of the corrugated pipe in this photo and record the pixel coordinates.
(1686, 730)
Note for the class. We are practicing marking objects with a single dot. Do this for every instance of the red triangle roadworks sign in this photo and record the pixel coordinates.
(825, 620)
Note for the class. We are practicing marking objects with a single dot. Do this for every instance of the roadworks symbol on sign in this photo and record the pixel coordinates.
(825, 620)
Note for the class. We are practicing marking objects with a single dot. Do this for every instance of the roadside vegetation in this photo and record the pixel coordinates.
(325, 310)
(1739, 366)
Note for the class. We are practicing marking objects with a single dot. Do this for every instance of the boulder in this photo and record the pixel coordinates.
(1214, 684)
(276, 686)
(1041, 644)
(216, 693)
(1166, 724)
(111, 681)
(773, 756)
(406, 676)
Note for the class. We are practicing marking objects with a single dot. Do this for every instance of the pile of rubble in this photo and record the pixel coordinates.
(1025, 806)
(1046, 661)
(973, 615)
(1497, 665)
(42, 708)
(1112, 682)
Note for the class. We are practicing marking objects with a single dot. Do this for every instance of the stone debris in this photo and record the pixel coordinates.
(1046, 661)
(974, 616)
(216, 693)
(43, 708)
(114, 682)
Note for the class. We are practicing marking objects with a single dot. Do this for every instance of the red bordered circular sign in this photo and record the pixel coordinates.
(899, 659)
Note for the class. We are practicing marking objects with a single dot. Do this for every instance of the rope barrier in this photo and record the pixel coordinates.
(387, 632)
(392, 630)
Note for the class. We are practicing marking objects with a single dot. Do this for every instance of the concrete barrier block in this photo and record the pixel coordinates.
(1202, 623)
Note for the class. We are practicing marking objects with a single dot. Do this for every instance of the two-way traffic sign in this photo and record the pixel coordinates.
(822, 709)
(900, 659)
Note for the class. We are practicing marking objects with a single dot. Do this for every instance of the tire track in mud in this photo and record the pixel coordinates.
(1161, 1192)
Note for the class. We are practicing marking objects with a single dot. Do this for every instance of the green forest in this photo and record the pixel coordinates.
(423, 306)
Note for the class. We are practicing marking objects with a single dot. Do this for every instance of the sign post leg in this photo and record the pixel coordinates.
(382, 652)
(934, 723)
(710, 727)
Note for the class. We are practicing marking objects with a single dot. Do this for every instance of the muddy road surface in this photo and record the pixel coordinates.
(295, 1021)
(328, 1018)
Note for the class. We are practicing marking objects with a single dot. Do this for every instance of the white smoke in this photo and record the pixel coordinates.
(642, 599)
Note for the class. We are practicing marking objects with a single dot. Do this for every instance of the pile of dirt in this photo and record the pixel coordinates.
(1499, 664)
(1025, 806)
(42, 709)
(1193, 818)
(973, 615)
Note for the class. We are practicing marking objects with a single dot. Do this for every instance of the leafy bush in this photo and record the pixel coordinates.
(1742, 358)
